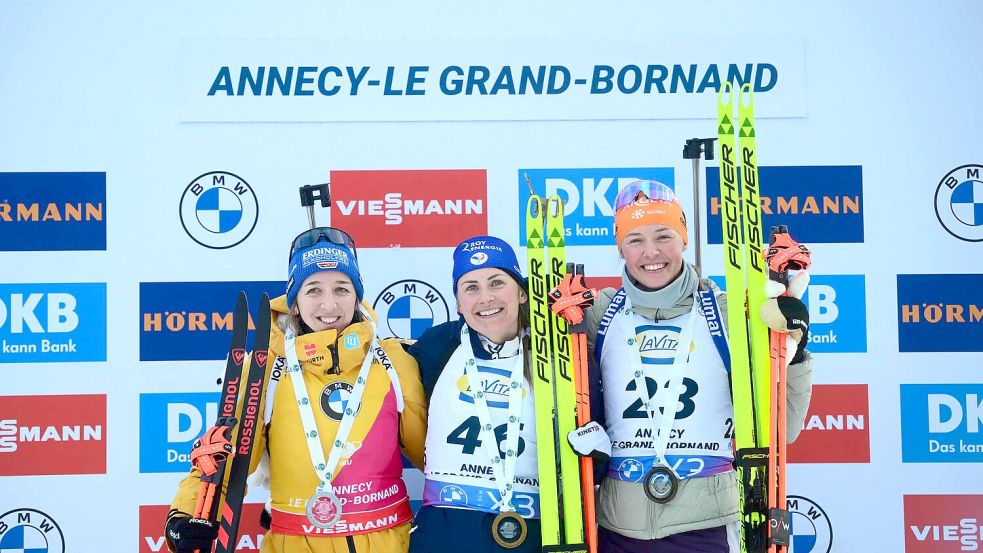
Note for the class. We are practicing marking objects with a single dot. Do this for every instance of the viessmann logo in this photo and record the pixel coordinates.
(429, 208)
(943, 523)
(52, 435)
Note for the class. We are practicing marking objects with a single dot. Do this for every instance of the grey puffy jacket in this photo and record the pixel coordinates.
(700, 503)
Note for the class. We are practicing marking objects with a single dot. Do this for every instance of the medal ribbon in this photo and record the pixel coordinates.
(503, 469)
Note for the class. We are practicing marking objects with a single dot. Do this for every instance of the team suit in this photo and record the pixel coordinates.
(645, 328)
(369, 481)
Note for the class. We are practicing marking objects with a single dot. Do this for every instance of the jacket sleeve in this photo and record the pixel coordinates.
(413, 420)
(183, 504)
(798, 385)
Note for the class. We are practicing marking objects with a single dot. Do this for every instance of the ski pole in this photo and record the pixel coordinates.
(697, 149)
(783, 254)
(569, 300)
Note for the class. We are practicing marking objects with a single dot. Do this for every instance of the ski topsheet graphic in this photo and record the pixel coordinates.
(553, 384)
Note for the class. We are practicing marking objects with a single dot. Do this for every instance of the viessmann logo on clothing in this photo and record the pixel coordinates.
(49, 323)
(193, 320)
(52, 435)
(152, 529)
(52, 211)
(835, 428)
(431, 208)
(818, 203)
(943, 523)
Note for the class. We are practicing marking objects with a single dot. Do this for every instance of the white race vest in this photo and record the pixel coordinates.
(700, 439)
(458, 471)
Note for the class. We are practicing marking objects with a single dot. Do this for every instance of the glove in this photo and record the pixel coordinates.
(191, 534)
(590, 440)
(787, 313)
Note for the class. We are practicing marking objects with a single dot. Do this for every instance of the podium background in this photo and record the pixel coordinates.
(863, 111)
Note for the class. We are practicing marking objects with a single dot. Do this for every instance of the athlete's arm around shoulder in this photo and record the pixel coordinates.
(413, 419)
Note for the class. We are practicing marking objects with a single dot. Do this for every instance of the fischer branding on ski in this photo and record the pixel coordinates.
(553, 387)
(744, 276)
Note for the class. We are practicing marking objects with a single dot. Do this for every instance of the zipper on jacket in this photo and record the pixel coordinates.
(335, 363)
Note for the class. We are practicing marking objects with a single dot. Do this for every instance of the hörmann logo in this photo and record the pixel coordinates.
(943, 523)
(169, 425)
(193, 320)
(52, 211)
(52, 435)
(940, 313)
(430, 208)
(959, 203)
(942, 423)
(588, 197)
(836, 428)
(47, 323)
(820, 204)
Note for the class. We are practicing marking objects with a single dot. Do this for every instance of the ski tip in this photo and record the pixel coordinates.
(534, 207)
(726, 89)
(555, 208)
(747, 95)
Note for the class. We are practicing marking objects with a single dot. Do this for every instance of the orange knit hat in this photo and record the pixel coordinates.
(647, 203)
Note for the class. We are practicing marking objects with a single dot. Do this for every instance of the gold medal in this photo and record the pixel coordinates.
(509, 529)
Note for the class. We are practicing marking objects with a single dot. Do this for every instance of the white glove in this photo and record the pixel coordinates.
(590, 440)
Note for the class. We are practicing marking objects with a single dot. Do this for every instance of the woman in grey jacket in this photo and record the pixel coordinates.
(670, 485)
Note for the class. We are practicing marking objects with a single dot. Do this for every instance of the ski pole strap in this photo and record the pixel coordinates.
(609, 314)
(502, 467)
(711, 312)
(325, 469)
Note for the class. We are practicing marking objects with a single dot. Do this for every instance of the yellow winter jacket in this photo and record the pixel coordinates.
(369, 482)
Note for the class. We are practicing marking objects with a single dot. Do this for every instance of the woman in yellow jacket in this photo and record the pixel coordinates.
(339, 407)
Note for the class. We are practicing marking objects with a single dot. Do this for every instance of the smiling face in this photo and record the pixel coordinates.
(653, 255)
(489, 300)
(326, 300)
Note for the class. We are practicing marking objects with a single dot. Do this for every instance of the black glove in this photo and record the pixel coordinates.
(191, 534)
(789, 314)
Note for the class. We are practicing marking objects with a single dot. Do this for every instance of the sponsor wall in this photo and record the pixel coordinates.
(141, 188)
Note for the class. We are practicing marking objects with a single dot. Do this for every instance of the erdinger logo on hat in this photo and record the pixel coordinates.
(479, 258)
(325, 256)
